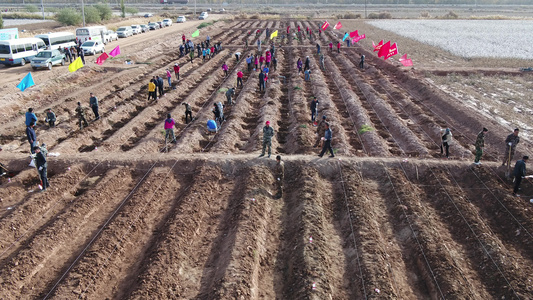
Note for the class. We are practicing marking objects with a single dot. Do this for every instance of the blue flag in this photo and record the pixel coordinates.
(26, 82)
(345, 36)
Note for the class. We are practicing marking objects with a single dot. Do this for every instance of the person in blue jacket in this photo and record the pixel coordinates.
(212, 126)
(30, 117)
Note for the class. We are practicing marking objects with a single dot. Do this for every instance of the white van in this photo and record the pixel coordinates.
(20, 51)
(92, 33)
(58, 40)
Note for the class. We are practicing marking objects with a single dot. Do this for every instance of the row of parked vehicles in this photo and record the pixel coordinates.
(47, 50)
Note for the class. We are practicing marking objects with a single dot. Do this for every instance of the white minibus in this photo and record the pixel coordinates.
(58, 40)
(92, 33)
(20, 51)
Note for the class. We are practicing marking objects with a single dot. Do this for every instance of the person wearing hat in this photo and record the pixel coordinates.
(169, 129)
(519, 172)
(268, 133)
(480, 144)
(327, 142)
(510, 146)
(80, 111)
(42, 166)
(320, 131)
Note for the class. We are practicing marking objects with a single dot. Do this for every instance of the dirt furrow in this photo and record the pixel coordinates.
(31, 269)
(113, 260)
(201, 220)
(427, 241)
(503, 270)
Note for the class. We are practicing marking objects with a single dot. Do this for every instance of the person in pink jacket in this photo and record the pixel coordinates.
(225, 69)
(261, 60)
(169, 129)
(169, 78)
(256, 62)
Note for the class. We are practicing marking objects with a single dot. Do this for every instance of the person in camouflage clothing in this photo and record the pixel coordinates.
(480, 144)
(510, 146)
(188, 112)
(80, 111)
(268, 133)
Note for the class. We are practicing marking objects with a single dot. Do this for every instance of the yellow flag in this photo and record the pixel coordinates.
(76, 64)
(274, 34)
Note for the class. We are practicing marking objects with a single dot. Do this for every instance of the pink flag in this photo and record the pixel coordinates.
(378, 46)
(338, 26)
(325, 25)
(406, 61)
(403, 57)
(354, 34)
(115, 51)
(358, 38)
(384, 49)
(100, 60)
(393, 50)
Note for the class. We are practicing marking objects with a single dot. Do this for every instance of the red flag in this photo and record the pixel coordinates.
(100, 60)
(354, 34)
(325, 25)
(407, 62)
(358, 38)
(338, 26)
(393, 50)
(378, 46)
(384, 49)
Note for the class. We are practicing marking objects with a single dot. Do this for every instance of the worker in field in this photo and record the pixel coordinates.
(268, 133)
(261, 81)
(519, 172)
(160, 85)
(307, 64)
(279, 173)
(188, 112)
(320, 131)
(80, 112)
(169, 129)
(50, 118)
(212, 126)
(225, 69)
(240, 75)
(151, 90)
(328, 135)
(177, 71)
(191, 55)
(480, 144)
(330, 46)
(230, 93)
(317, 49)
(446, 141)
(362, 62)
(322, 67)
(510, 146)
(42, 165)
(299, 65)
(32, 137)
(169, 79)
(338, 47)
(93, 102)
(314, 106)
(30, 117)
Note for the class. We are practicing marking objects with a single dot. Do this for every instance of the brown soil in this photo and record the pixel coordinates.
(129, 218)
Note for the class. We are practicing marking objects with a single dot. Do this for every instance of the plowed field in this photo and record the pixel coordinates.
(127, 217)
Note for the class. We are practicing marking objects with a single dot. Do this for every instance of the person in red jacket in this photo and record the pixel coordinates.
(338, 47)
(177, 71)
(239, 78)
(288, 30)
(330, 46)
(183, 38)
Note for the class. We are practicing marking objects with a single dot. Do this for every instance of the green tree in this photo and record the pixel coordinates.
(1, 22)
(69, 16)
(122, 9)
(104, 10)
(92, 15)
(132, 10)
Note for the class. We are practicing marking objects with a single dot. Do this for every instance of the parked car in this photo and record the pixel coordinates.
(181, 19)
(144, 28)
(221, 10)
(92, 47)
(112, 36)
(47, 58)
(209, 9)
(148, 15)
(136, 29)
(203, 16)
(153, 26)
(124, 31)
(167, 22)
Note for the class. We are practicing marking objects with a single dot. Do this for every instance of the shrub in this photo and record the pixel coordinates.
(104, 10)
(451, 15)
(92, 15)
(425, 14)
(365, 128)
(255, 17)
(1, 21)
(381, 15)
(204, 24)
(131, 10)
(31, 8)
(23, 16)
(69, 16)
